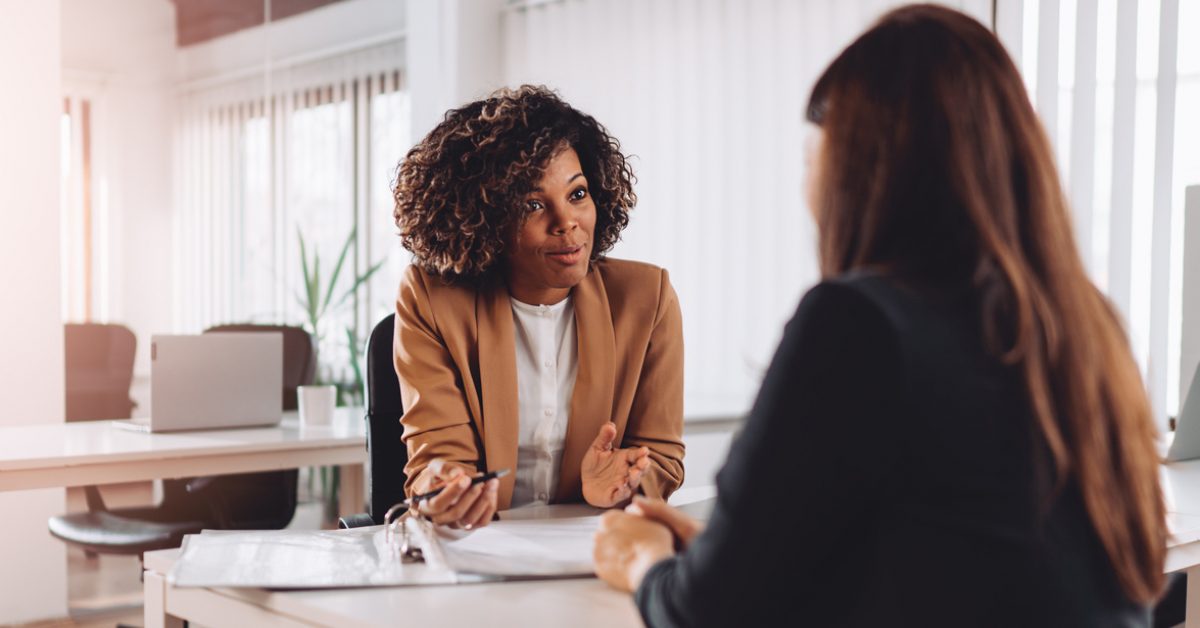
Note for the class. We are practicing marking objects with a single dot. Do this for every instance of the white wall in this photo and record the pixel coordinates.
(120, 54)
(33, 568)
(453, 49)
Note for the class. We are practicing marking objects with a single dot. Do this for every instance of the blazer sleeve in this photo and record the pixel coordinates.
(656, 414)
(436, 420)
(809, 467)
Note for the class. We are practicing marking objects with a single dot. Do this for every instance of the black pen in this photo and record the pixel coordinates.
(475, 480)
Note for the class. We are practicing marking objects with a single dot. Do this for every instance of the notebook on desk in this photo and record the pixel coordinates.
(363, 557)
(211, 381)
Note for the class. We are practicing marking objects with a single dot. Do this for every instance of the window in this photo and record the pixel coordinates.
(306, 154)
(1117, 86)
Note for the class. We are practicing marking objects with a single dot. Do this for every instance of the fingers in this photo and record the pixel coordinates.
(447, 499)
(634, 455)
(437, 474)
(604, 439)
(456, 513)
(484, 508)
(682, 526)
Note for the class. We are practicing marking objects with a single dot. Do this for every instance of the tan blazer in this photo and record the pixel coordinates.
(456, 357)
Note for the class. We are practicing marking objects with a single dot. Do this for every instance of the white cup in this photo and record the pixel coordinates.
(316, 404)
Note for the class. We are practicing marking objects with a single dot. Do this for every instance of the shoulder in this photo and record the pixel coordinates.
(620, 273)
(849, 309)
(636, 288)
(416, 283)
(426, 300)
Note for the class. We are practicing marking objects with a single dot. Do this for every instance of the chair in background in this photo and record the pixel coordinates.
(246, 501)
(387, 453)
(99, 371)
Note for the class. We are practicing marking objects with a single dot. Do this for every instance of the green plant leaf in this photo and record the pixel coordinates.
(337, 270)
(360, 280)
(304, 265)
(355, 358)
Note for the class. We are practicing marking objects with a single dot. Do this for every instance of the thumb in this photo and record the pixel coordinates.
(605, 438)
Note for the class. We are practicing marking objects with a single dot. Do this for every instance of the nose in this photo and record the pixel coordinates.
(564, 219)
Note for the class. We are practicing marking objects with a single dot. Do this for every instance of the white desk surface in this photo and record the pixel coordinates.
(97, 452)
(576, 603)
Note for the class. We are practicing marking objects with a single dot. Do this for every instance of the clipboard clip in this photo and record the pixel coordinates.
(396, 524)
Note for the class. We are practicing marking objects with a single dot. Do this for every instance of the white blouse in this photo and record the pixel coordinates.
(547, 362)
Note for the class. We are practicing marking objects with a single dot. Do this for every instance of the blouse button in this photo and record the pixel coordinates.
(548, 412)
(542, 497)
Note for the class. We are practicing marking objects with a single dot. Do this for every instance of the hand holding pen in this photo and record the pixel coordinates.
(457, 499)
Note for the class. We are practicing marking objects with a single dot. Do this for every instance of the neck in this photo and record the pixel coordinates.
(537, 296)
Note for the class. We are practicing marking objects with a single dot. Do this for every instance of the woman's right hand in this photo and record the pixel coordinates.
(682, 527)
(462, 504)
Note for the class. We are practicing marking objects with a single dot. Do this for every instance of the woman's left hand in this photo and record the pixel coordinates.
(627, 546)
(610, 476)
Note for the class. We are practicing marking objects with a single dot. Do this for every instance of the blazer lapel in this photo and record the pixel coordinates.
(498, 378)
(592, 400)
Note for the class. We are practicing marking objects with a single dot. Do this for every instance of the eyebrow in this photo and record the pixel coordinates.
(573, 177)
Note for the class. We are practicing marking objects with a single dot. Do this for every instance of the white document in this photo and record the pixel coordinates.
(299, 559)
(362, 557)
(523, 548)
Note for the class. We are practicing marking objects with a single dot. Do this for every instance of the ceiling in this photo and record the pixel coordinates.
(198, 21)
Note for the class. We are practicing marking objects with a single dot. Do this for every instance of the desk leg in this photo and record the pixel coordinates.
(154, 602)
(351, 498)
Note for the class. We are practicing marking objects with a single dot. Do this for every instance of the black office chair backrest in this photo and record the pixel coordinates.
(387, 452)
(98, 362)
(299, 356)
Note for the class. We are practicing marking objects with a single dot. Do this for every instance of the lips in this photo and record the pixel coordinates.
(567, 256)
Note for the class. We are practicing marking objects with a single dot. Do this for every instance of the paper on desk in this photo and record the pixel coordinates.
(523, 548)
(299, 559)
(361, 557)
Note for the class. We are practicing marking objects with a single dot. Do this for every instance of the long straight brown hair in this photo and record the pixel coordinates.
(934, 163)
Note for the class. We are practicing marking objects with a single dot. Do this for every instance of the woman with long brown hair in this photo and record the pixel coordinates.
(953, 430)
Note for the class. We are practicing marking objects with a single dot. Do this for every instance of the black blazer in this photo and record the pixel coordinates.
(889, 475)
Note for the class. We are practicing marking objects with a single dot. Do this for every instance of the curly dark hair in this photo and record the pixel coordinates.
(460, 191)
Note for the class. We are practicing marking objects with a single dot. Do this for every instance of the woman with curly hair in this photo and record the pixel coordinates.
(518, 344)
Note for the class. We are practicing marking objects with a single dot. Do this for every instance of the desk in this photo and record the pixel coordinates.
(1181, 487)
(578, 603)
(575, 603)
(97, 452)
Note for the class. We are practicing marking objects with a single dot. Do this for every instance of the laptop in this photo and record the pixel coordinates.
(210, 381)
(1186, 445)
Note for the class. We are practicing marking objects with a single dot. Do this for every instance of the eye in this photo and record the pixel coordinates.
(579, 194)
(534, 205)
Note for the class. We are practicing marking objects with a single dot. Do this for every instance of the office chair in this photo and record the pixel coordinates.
(387, 453)
(99, 371)
(245, 501)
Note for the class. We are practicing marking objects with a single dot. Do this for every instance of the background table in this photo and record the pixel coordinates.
(98, 452)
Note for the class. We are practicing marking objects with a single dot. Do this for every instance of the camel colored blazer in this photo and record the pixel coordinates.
(455, 355)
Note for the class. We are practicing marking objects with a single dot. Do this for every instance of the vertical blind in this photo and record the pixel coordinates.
(708, 96)
(1119, 90)
(300, 151)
